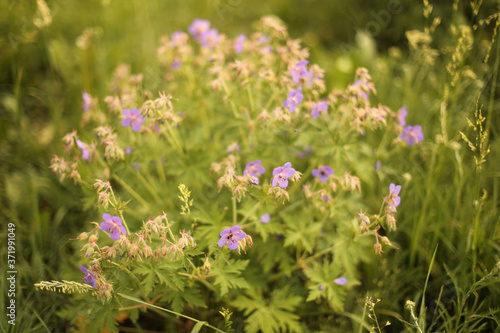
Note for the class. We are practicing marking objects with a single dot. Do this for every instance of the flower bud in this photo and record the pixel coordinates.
(207, 266)
(378, 249)
(391, 222)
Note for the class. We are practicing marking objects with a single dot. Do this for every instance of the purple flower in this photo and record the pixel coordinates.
(378, 165)
(176, 64)
(294, 98)
(132, 117)
(113, 223)
(402, 116)
(128, 150)
(231, 236)
(412, 134)
(265, 218)
(342, 281)
(85, 149)
(86, 101)
(238, 46)
(198, 28)
(319, 107)
(393, 199)
(325, 198)
(323, 173)
(210, 39)
(254, 169)
(281, 175)
(89, 277)
(321, 287)
(299, 71)
(363, 86)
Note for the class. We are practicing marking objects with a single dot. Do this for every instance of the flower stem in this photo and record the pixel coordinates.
(131, 191)
(169, 311)
(234, 211)
(249, 213)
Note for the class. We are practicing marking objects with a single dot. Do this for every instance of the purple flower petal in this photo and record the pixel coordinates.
(115, 233)
(225, 232)
(275, 181)
(106, 226)
(122, 229)
(235, 229)
(117, 219)
(265, 218)
(341, 281)
(240, 235)
(222, 241)
(232, 244)
(283, 183)
(126, 122)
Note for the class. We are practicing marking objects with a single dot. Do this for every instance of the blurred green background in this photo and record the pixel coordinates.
(43, 73)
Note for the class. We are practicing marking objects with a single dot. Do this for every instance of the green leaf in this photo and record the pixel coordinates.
(325, 274)
(149, 280)
(303, 235)
(228, 275)
(190, 296)
(274, 316)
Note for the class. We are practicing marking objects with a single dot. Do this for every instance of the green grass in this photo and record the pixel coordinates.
(450, 203)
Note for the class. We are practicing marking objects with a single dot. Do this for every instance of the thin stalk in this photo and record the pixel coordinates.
(169, 311)
(254, 208)
(132, 275)
(235, 217)
(160, 171)
(131, 191)
(149, 187)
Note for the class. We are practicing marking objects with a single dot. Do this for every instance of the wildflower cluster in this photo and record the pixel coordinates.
(251, 115)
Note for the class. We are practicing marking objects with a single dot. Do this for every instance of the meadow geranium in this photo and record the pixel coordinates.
(254, 169)
(231, 236)
(281, 175)
(294, 98)
(114, 225)
(299, 71)
(323, 173)
(393, 199)
(210, 39)
(132, 117)
(402, 116)
(238, 46)
(198, 28)
(341, 281)
(86, 101)
(319, 107)
(89, 277)
(265, 218)
(412, 135)
(85, 149)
